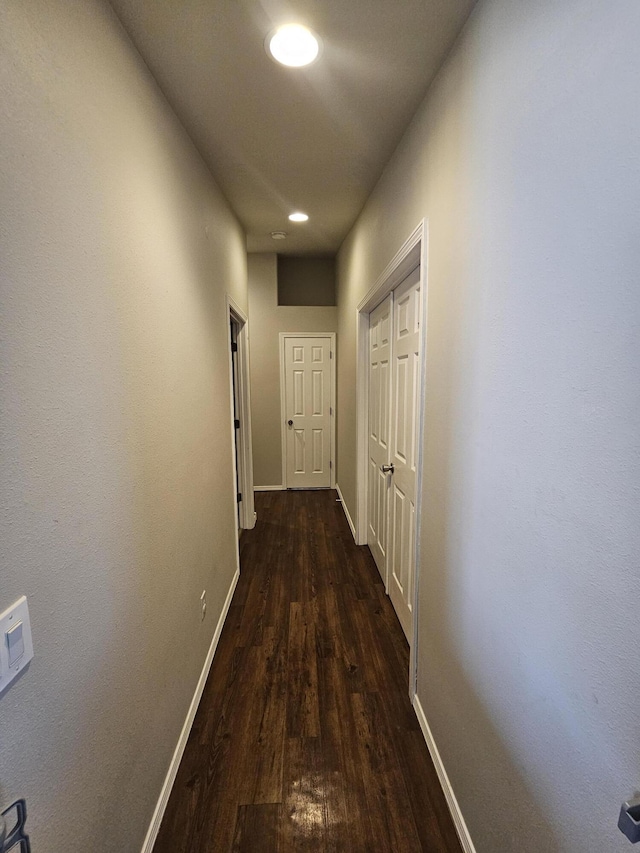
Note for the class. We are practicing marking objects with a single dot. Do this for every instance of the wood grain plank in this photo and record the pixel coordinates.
(257, 829)
(302, 706)
(308, 809)
(263, 745)
(389, 804)
(341, 756)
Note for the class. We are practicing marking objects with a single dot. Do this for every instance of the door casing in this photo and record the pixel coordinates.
(244, 468)
(413, 253)
(283, 416)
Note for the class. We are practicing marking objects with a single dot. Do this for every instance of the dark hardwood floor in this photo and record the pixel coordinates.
(305, 739)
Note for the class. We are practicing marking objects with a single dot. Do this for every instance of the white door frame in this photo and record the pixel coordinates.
(246, 514)
(412, 253)
(332, 404)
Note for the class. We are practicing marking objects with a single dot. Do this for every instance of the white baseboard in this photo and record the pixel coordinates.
(454, 808)
(346, 512)
(268, 488)
(156, 820)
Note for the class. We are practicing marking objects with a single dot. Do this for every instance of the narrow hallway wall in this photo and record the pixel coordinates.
(524, 160)
(117, 486)
(267, 319)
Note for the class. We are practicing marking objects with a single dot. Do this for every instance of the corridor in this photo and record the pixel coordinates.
(305, 738)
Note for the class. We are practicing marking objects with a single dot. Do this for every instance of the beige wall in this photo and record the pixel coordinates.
(523, 159)
(266, 321)
(117, 487)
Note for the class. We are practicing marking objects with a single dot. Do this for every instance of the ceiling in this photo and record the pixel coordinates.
(281, 139)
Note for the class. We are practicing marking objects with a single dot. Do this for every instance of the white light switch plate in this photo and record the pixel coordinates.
(18, 612)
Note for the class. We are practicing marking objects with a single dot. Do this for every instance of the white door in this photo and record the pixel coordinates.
(379, 444)
(307, 408)
(394, 393)
(405, 396)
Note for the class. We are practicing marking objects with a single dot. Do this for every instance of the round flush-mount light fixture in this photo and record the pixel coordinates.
(293, 45)
(298, 216)
(278, 235)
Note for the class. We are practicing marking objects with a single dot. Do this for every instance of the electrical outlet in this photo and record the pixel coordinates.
(203, 605)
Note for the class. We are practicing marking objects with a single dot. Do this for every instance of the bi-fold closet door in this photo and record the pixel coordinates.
(394, 394)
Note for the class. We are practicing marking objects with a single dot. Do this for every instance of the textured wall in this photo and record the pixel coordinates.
(267, 320)
(117, 490)
(524, 160)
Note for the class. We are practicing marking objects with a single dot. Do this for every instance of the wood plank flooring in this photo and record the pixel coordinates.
(305, 739)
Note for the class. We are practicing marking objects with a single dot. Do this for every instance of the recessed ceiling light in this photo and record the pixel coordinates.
(293, 45)
(278, 235)
(298, 217)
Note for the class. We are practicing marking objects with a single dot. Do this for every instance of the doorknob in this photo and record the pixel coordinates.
(387, 469)
(290, 422)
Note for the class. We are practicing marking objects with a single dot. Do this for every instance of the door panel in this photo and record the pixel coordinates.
(298, 393)
(379, 398)
(400, 414)
(405, 401)
(307, 374)
(317, 385)
(298, 451)
(318, 456)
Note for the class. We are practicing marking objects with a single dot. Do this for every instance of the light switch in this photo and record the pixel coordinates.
(15, 643)
(16, 646)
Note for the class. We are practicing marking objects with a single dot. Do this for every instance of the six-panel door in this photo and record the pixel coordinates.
(307, 370)
(394, 393)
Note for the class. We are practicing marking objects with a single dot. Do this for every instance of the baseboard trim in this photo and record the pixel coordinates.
(268, 488)
(346, 512)
(156, 820)
(454, 808)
